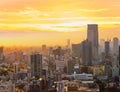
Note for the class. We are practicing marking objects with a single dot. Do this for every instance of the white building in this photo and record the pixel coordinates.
(83, 76)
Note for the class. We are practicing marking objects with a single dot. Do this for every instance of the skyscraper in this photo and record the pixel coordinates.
(70, 65)
(1, 54)
(76, 50)
(68, 43)
(119, 60)
(92, 36)
(115, 45)
(86, 53)
(36, 65)
(107, 48)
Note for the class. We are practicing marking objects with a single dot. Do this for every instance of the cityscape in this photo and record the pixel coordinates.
(59, 46)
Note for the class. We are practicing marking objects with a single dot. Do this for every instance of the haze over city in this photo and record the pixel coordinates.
(59, 45)
(52, 22)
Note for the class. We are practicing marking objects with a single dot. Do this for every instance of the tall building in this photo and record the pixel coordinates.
(119, 60)
(107, 48)
(92, 36)
(76, 49)
(115, 45)
(58, 53)
(1, 50)
(115, 61)
(68, 43)
(1, 54)
(70, 66)
(36, 65)
(86, 53)
(16, 68)
(108, 70)
(101, 46)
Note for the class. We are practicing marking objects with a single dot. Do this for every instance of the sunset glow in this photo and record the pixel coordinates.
(23, 22)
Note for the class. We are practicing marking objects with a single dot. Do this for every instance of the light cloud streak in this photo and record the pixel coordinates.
(57, 16)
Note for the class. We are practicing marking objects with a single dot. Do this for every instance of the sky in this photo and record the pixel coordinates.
(52, 22)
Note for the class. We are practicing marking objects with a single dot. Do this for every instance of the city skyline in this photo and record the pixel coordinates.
(43, 22)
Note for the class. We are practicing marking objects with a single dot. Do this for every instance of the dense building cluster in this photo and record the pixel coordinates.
(42, 69)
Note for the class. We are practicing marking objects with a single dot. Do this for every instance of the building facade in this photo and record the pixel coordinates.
(115, 45)
(36, 64)
(86, 53)
(92, 36)
(107, 48)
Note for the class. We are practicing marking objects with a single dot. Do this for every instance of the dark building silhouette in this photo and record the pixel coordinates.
(107, 48)
(68, 43)
(108, 68)
(86, 53)
(1, 54)
(119, 60)
(92, 36)
(36, 65)
(58, 52)
(76, 50)
(115, 46)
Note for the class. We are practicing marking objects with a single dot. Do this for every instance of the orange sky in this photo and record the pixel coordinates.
(36, 22)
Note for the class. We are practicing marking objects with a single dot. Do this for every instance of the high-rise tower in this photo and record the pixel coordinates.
(92, 36)
(115, 45)
(107, 48)
(86, 53)
(36, 65)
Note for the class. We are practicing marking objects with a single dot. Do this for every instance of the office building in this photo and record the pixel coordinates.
(58, 52)
(70, 66)
(68, 43)
(108, 69)
(92, 36)
(101, 46)
(108, 66)
(107, 48)
(1, 54)
(115, 45)
(115, 60)
(86, 53)
(119, 60)
(76, 50)
(36, 65)
(16, 68)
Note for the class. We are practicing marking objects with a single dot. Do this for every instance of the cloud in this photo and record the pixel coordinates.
(87, 10)
(34, 19)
